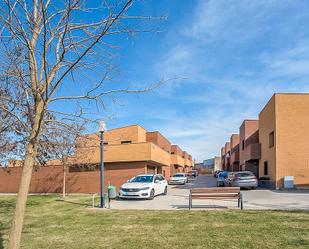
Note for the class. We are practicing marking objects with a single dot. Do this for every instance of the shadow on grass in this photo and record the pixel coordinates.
(74, 203)
(199, 206)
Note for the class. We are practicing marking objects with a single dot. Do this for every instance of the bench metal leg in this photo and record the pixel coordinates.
(241, 202)
(238, 202)
(190, 202)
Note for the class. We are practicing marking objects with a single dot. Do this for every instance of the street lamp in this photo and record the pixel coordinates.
(102, 128)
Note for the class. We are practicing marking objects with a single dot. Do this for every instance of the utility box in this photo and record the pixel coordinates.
(112, 193)
(289, 182)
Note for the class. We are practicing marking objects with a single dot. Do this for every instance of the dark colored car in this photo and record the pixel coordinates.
(216, 173)
(221, 178)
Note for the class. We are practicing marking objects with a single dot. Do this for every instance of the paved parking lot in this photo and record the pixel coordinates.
(177, 199)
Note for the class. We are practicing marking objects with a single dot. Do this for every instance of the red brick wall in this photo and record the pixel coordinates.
(185, 155)
(246, 130)
(49, 179)
(158, 139)
(176, 150)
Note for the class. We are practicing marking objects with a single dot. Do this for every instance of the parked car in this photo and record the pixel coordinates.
(179, 178)
(144, 186)
(221, 178)
(228, 179)
(216, 173)
(244, 179)
(194, 172)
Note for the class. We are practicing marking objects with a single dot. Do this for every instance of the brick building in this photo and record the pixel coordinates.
(234, 158)
(227, 155)
(249, 146)
(284, 138)
(275, 145)
(128, 151)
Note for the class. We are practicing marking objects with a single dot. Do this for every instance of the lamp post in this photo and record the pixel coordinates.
(102, 128)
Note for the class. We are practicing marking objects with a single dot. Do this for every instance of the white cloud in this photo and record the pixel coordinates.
(235, 27)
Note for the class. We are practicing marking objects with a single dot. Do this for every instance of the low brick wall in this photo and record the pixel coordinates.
(49, 179)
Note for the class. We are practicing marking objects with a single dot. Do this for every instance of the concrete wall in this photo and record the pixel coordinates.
(218, 165)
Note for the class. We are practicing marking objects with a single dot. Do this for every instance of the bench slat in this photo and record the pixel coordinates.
(214, 195)
(217, 198)
(216, 190)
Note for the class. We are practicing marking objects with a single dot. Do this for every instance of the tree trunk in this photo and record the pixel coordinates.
(30, 155)
(17, 224)
(64, 181)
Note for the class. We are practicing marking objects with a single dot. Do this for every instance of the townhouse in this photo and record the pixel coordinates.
(226, 156)
(284, 138)
(128, 151)
(275, 145)
(234, 157)
(250, 148)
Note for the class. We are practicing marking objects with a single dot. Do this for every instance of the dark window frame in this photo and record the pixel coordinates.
(271, 138)
(126, 142)
(266, 168)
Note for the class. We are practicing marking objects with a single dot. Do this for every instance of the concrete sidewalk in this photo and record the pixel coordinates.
(177, 199)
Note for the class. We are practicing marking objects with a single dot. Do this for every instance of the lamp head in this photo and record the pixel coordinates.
(102, 126)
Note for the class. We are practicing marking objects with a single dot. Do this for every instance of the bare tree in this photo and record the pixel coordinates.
(59, 146)
(58, 51)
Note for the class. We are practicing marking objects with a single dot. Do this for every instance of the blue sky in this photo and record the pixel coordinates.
(229, 58)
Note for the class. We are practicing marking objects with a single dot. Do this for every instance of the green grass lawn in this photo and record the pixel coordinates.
(52, 223)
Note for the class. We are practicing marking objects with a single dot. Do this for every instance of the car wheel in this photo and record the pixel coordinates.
(152, 192)
(165, 191)
(253, 188)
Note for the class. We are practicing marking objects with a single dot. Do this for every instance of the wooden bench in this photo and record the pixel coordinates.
(227, 193)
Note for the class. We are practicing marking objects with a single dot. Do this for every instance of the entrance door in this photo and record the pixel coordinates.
(159, 170)
(151, 169)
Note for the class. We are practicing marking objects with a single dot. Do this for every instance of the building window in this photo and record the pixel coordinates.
(243, 144)
(266, 168)
(105, 143)
(271, 139)
(172, 153)
(126, 142)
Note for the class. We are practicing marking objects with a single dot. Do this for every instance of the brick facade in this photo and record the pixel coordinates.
(128, 151)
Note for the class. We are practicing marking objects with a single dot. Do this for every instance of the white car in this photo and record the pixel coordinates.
(179, 178)
(144, 186)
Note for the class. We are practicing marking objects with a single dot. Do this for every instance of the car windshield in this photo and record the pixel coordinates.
(244, 174)
(142, 179)
(178, 175)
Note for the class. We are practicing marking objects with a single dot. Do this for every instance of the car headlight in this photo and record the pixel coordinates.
(146, 188)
